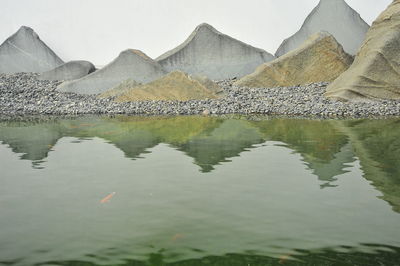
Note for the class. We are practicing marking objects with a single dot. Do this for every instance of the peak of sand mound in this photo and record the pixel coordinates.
(213, 54)
(335, 17)
(176, 86)
(24, 51)
(320, 58)
(130, 64)
(375, 73)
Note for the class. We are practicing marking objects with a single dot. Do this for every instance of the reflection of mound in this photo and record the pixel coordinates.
(174, 86)
(230, 139)
(213, 54)
(327, 147)
(324, 149)
(26, 52)
(33, 140)
(131, 140)
(320, 58)
(135, 135)
(328, 171)
(317, 140)
(335, 17)
(130, 64)
(376, 143)
(69, 71)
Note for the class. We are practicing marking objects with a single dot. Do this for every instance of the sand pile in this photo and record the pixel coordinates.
(210, 53)
(375, 72)
(176, 86)
(130, 64)
(24, 51)
(69, 71)
(335, 17)
(320, 58)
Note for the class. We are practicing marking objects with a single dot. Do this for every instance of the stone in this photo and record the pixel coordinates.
(206, 112)
(176, 86)
(375, 73)
(320, 58)
(24, 51)
(130, 64)
(210, 53)
(69, 71)
(335, 17)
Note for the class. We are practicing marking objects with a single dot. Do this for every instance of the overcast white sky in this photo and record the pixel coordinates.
(97, 30)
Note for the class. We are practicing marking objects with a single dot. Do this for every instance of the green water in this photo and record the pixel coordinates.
(199, 191)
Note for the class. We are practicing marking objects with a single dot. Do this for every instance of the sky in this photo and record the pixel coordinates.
(98, 30)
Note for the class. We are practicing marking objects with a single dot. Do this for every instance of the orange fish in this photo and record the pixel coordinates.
(110, 132)
(177, 237)
(108, 198)
(86, 125)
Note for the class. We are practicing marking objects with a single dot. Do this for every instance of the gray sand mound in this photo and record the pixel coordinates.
(320, 58)
(24, 51)
(215, 55)
(375, 72)
(69, 71)
(130, 64)
(335, 17)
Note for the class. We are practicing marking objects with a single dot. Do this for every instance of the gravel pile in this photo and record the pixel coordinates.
(24, 94)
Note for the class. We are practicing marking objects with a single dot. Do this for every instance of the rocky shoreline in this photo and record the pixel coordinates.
(24, 94)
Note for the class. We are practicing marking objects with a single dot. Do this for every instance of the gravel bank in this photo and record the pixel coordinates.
(24, 94)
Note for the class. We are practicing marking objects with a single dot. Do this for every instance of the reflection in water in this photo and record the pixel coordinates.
(32, 140)
(377, 145)
(267, 192)
(226, 141)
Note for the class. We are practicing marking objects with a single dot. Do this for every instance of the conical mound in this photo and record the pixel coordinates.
(176, 86)
(69, 71)
(215, 55)
(375, 72)
(335, 17)
(24, 51)
(320, 58)
(130, 64)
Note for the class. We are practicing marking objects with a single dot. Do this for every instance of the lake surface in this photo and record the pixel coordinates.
(199, 191)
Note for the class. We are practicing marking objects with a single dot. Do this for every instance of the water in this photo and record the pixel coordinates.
(199, 191)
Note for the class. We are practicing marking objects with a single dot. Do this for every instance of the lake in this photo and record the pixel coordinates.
(199, 191)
